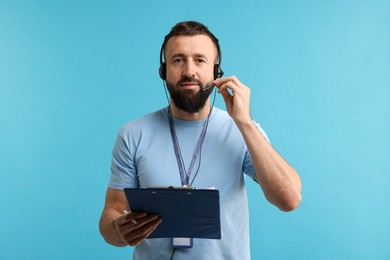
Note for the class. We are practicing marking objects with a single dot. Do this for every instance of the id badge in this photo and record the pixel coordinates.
(182, 242)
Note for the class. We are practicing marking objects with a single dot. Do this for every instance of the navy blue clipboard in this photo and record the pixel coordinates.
(185, 212)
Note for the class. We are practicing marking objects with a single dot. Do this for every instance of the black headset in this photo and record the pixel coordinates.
(163, 66)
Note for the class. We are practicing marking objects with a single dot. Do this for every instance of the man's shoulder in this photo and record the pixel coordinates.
(219, 113)
(149, 121)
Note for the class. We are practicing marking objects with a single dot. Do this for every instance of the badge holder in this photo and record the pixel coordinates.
(182, 242)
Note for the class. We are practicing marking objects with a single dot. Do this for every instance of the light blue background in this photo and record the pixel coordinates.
(73, 72)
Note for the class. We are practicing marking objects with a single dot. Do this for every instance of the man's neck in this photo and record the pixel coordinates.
(183, 115)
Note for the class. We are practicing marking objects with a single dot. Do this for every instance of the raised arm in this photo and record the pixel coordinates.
(279, 181)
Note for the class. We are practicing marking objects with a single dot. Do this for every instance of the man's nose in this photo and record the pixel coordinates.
(189, 69)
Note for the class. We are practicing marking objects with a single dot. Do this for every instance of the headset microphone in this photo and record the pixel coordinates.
(207, 89)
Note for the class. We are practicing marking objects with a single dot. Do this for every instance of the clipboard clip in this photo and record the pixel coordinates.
(185, 187)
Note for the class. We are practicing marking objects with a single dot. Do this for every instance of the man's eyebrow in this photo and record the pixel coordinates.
(181, 55)
(177, 55)
(200, 55)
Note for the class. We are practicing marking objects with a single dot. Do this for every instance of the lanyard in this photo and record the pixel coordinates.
(185, 175)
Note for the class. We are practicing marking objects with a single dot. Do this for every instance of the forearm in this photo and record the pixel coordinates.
(279, 181)
(108, 229)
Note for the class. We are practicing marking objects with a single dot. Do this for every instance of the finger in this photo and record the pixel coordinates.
(227, 85)
(133, 219)
(131, 231)
(138, 235)
(220, 81)
(129, 225)
(143, 220)
(227, 97)
(136, 215)
(138, 240)
(130, 216)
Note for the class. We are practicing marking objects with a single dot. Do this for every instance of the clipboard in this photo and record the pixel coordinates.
(184, 212)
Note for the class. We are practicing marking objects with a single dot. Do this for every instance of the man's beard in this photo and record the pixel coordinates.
(188, 101)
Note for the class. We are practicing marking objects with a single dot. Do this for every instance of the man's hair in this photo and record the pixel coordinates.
(190, 28)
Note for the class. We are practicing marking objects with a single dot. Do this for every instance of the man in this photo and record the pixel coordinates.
(216, 147)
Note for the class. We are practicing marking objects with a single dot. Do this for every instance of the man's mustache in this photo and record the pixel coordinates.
(190, 79)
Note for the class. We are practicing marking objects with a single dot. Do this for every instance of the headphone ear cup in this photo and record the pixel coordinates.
(163, 71)
(217, 71)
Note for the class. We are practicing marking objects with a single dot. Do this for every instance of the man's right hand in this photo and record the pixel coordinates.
(131, 233)
(119, 229)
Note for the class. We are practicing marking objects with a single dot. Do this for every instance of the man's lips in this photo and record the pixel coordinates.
(189, 85)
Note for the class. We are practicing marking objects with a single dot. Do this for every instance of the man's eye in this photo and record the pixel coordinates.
(201, 61)
(177, 60)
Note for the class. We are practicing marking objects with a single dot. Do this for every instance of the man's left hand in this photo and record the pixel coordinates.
(238, 101)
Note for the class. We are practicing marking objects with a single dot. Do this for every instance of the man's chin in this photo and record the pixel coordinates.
(190, 92)
(190, 100)
(188, 105)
